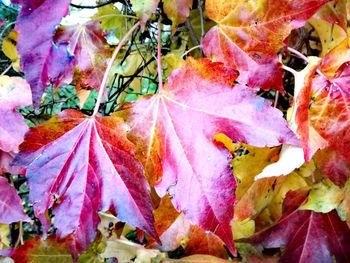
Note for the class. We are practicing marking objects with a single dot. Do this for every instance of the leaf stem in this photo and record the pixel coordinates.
(190, 50)
(318, 71)
(159, 56)
(298, 54)
(109, 67)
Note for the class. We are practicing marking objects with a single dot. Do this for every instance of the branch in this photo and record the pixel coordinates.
(109, 67)
(192, 33)
(94, 6)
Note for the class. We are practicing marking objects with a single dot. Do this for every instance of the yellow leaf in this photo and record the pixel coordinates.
(331, 35)
(10, 50)
(246, 167)
(324, 197)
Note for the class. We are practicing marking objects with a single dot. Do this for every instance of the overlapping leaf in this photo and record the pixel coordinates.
(41, 61)
(174, 230)
(177, 10)
(86, 164)
(250, 33)
(306, 235)
(175, 129)
(144, 9)
(88, 45)
(327, 109)
(37, 250)
(14, 93)
(11, 209)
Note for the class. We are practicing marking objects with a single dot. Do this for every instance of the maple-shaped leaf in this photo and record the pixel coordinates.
(37, 250)
(11, 209)
(326, 109)
(175, 129)
(250, 33)
(88, 45)
(177, 10)
(306, 236)
(79, 165)
(41, 61)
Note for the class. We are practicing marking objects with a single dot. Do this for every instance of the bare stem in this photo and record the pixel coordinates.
(109, 67)
(276, 99)
(298, 54)
(6, 70)
(159, 56)
(190, 50)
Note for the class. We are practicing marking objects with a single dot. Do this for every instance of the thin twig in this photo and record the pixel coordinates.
(319, 72)
(109, 67)
(20, 235)
(6, 70)
(276, 99)
(192, 33)
(159, 56)
(94, 6)
(190, 50)
(202, 23)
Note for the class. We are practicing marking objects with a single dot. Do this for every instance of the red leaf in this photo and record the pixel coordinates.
(11, 209)
(250, 33)
(326, 110)
(88, 44)
(178, 125)
(333, 165)
(37, 250)
(259, 70)
(41, 61)
(307, 236)
(79, 165)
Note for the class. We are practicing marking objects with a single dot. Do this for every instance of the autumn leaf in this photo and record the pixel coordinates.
(9, 49)
(14, 93)
(41, 61)
(37, 250)
(125, 250)
(88, 45)
(87, 165)
(175, 129)
(327, 113)
(333, 165)
(144, 9)
(306, 235)
(175, 230)
(10, 204)
(177, 10)
(250, 33)
(198, 258)
(112, 19)
(334, 12)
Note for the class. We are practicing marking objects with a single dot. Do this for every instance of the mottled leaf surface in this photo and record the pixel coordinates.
(37, 250)
(326, 109)
(88, 45)
(176, 127)
(250, 33)
(87, 165)
(306, 235)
